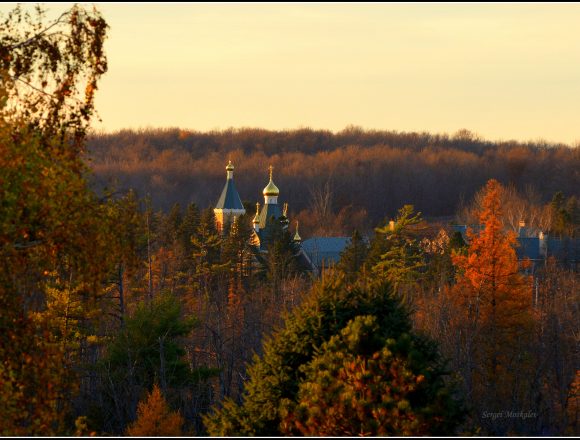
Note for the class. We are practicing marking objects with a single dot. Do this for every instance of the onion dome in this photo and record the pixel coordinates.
(271, 189)
(230, 166)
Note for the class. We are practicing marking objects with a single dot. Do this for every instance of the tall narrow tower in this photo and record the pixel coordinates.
(229, 205)
(270, 210)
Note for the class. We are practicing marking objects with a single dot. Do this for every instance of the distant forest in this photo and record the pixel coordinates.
(353, 178)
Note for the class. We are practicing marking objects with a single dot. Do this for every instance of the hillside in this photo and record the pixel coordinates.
(365, 174)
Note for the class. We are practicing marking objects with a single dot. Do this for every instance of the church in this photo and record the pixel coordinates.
(268, 218)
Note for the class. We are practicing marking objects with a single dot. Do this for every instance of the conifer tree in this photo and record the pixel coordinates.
(148, 350)
(353, 257)
(188, 227)
(207, 245)
(281, 259)
(359, 385)
(170, 226)
(400, 264)
(494, 318)
(155, 418)
(278, 381)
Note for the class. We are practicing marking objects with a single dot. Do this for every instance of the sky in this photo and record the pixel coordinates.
(502, 71)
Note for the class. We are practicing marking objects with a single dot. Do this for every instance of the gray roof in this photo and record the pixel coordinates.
(325, 249)
(566, 249)
(230, 199)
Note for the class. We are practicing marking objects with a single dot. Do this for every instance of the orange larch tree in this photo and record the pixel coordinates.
(155, 418)
(493, 311)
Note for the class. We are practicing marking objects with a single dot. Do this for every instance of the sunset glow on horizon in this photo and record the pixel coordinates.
(503, 71)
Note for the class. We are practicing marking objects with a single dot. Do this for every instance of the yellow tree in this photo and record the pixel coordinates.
(155, 418)
(52, 241)
(493, 314)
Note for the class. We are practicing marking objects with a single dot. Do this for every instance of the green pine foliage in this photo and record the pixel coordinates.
(565, 215)
(149, 350)
(402, 260)
(188, 228)
(362, 383)
(278, 380)
(353, 257)
(280, 261)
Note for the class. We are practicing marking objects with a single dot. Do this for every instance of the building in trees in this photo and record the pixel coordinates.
(270, 224)
(537, 246)
(229, 206)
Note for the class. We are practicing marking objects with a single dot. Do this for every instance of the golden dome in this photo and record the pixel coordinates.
(271, 189)
(230, 166)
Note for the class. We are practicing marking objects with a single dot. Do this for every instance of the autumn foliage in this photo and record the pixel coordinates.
(345, 363)
(352, 393)
(492, 303)
(155, 418)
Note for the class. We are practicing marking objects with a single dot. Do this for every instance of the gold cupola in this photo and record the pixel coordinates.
(271, 189)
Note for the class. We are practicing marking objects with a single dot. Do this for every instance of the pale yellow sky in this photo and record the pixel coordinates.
(504, 71)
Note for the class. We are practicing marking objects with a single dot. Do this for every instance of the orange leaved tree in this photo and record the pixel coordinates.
(492, 318)
(155, 418)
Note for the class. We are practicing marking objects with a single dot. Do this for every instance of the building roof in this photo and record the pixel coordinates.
(230, 199)
(325, 249)
(528, 248)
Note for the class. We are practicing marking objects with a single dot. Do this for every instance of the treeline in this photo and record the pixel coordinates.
(358, 175)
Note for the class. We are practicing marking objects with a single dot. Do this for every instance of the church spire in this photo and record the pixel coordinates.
(229, 205)
(256, 221)
(296, 234)
(271, 191)
(230, 170)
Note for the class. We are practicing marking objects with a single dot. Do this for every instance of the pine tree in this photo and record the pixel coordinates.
(170, 226)
(280, 261)
(148, 350)
(207, 246)
(353, 257)
(188, 227)
(359, 384)
(155, 418)
(402, 260)
(276, 379)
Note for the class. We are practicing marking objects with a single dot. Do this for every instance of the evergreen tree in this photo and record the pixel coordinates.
(207, 245)
(361, 384)
(188, 227)
(281, 261)
(170, 225)
(148, 350)
(353, 257)
(273, 390)
(237, 251)
(400, 264)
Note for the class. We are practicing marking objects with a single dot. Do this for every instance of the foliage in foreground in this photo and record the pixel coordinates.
(334, 344)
